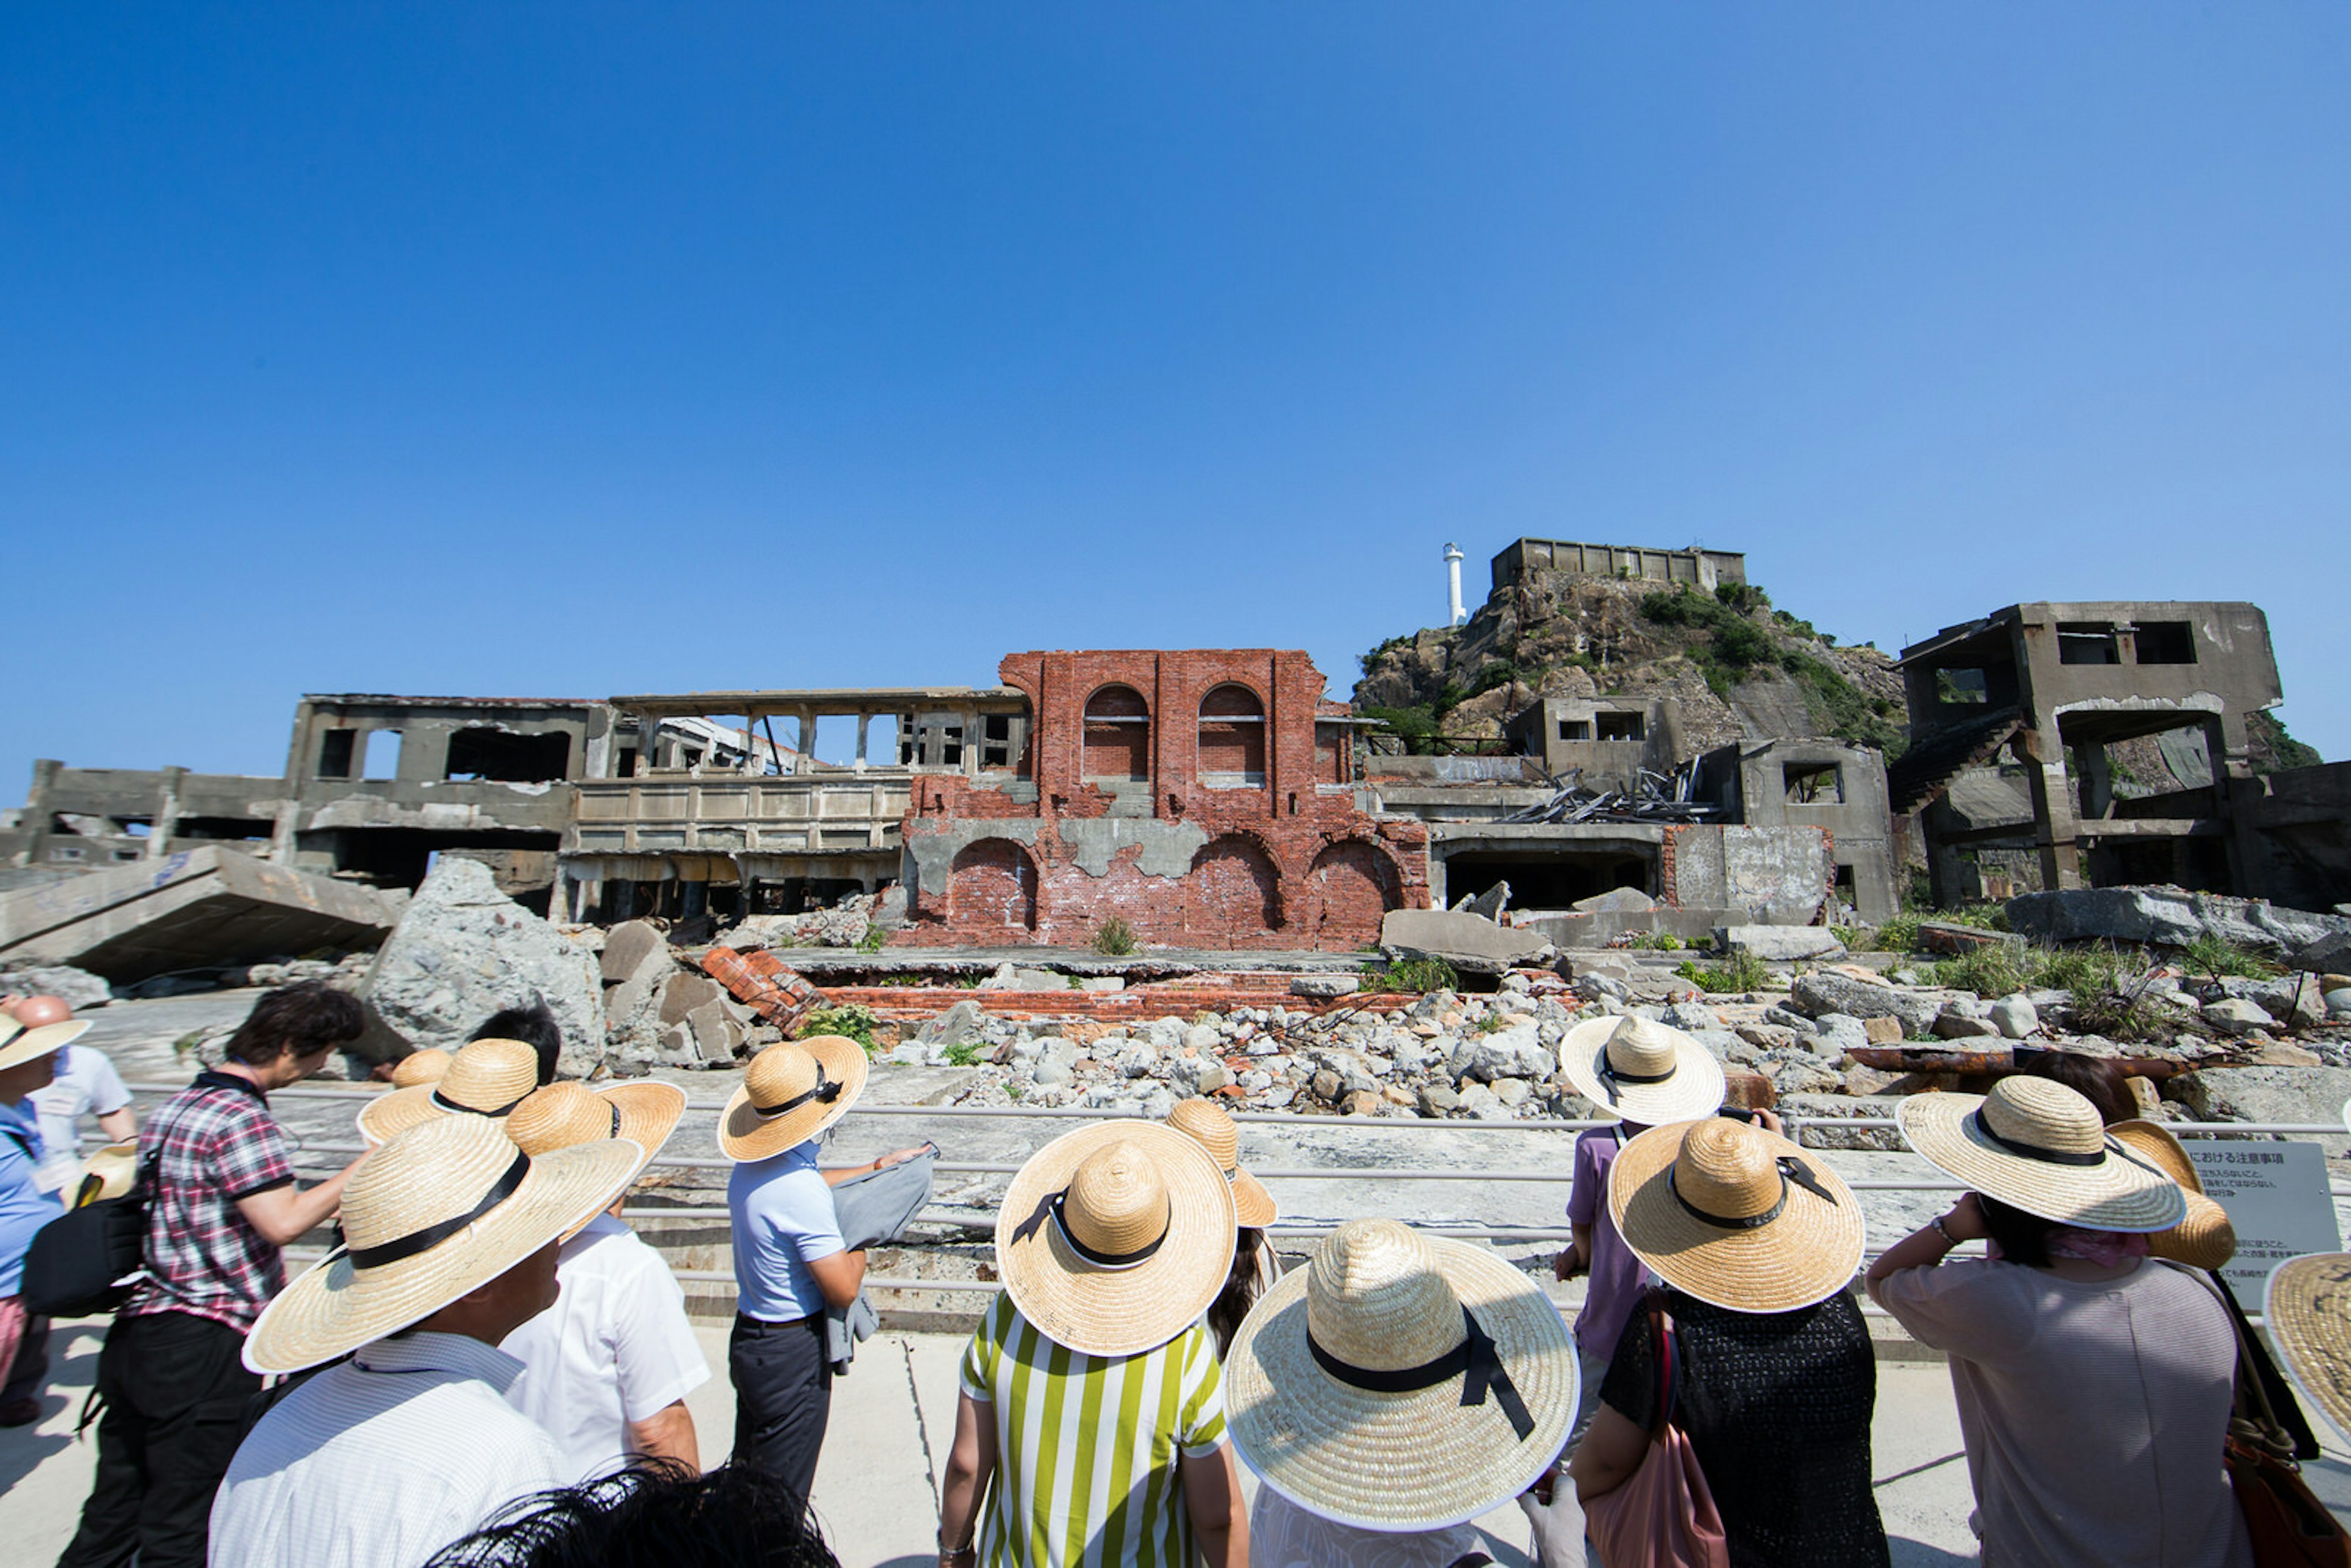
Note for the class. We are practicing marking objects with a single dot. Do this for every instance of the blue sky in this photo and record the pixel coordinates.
(584, 349)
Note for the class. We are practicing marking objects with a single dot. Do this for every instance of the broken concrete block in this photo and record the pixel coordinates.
(1782, 943)
(2291, 1095)
(463, 951)
(1954, 1024)
(625, 947)
(1882, 1030)
(195, 909)
(953, 1027)
(1490, 904)
(1101, 983)
(1325, 985)
(2172, 916)
(1617, 900)
(633, 1020)
(1827, 991)
(2235, 1016)
(683, 992)
(715, 1035)
(1465, 941)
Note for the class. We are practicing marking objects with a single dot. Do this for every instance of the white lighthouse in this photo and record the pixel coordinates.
(1453, 586)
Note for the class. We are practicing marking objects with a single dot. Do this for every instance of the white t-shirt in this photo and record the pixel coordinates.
(1284, 1535)
(85, 1080)
(614, 1348)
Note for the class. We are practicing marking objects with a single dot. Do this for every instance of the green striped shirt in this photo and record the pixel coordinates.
(1086, 1446)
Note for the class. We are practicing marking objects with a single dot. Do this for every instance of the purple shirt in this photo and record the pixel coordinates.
(1618, 1277)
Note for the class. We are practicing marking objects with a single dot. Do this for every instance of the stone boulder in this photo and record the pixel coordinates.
(2015, 1017)
(626, 948)
(78, 988)
(1824, 991)
(2236, 1016)
(1322, 988)
(462, 951)
(1782, 943)
(2292, 1095)
(2172, 916)
(1514, 1052)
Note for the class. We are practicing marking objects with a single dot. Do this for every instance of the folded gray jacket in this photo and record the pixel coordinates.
(873, 1208)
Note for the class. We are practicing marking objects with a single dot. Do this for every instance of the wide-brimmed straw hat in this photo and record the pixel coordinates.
(19, 1045)
(789, 1093)
(1735, 1215)
(108, 1173)
(1400, 1382)
(2037, 1146)
(486, 1078)
(1636, 1070)
(420, 1067)
(441, 1210)
(645, 1111)
(1204, 1123)
(2308, 1308)
(2204, 1238)
(1114, 1236)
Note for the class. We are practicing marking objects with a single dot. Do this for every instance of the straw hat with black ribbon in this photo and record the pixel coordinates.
(426, 1066)
(2203, 1238)
(1737, 1217)
(2308, 1310)
(1114, 1237)
(1400, 1382)
(789, 1093)
(1637, 1071)
(1206, 1123)
(2037, 1146)
(19, 1045)
(486, 1078)
(644, 1111)
(438, 1212)
(108, 1173)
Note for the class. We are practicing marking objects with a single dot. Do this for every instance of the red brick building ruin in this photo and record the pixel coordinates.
(1206, 797)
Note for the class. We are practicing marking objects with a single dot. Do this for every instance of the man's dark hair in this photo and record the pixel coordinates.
(304, 1020)
(2022, 1238)
(534, 1026)
(654, 1514)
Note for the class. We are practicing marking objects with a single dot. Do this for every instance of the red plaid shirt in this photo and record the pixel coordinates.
(217, 1142)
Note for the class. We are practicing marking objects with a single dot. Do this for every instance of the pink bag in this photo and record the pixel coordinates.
(1663, 1516)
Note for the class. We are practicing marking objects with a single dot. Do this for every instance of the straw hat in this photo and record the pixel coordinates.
(486, 1077)
(420, 1067)
(1636, 1070)
(2205, 1238)
(2036, 1145)
(19, 1045)
(1438, 1444)
(2308, 1308)
(113, 1169)
(1204, 1123)
(790, 1093)
(644, 1111)
(1114, 1236)
(442, 1210)
(1735, 1215)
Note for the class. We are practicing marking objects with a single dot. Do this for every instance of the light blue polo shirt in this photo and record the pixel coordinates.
(784, 1219)
(23, 1207)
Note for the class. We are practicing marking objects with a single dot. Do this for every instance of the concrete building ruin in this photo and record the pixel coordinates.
(1697, 567)
(2014, 720)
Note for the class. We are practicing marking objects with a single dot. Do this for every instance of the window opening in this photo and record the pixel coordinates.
(1811, 784)
(381, 758)
(1623, 726)
(1232, 738)
(2165, 642)
(1961, 686)
(1575, 729)
(2086, 642)
(1117, 735)
(335, 754)
(480, 753)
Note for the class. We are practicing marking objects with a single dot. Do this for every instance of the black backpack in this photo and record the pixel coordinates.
(86, 1262)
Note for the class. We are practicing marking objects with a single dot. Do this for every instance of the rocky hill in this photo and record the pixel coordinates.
(1740, 669)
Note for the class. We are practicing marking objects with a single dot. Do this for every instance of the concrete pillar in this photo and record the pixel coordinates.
(864, 720)
(167, 811)
(2053, 813)
(2097, 783)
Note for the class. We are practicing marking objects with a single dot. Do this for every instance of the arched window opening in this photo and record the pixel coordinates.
(1118, 735)
(1232, 740)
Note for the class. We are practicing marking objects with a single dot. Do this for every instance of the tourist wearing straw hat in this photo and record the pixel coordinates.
(1756, 1240)
(790, 1261)
(2094, 1387)
(223, 1205)
(1094, 1366)
(27, 1060)
(486, 1078)
(606, 1370)
(1206, 1123)
(450, 1235)
(2204, 1238)
(1639, 1074)
(1391, 1391)
(81, 1080)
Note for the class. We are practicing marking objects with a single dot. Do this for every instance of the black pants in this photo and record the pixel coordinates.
(783, 1397)
(30, 1370)
(175, 1393)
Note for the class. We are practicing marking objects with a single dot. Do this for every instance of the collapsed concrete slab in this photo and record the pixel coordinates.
(193, 909)
(2172, 916)
(1786, 943)
(1463, 940)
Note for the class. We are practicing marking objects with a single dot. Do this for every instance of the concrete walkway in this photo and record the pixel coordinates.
(893, 1417)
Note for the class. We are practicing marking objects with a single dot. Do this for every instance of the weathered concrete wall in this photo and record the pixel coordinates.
(1776, 876)
(1763, 785)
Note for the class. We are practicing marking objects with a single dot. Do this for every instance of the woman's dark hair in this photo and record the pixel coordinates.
(304, 1020)
(1240, 1292)
(534, 1026)
(2022, 1238)
(2098, 1082)
(654, 1514)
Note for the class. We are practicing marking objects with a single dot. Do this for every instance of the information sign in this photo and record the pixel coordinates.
(2276, 1196)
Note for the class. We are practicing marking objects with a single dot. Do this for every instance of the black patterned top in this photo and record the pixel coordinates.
(1777, 1409)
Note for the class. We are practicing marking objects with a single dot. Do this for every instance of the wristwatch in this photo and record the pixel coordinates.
(1948, 1239)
